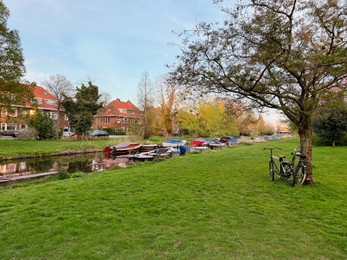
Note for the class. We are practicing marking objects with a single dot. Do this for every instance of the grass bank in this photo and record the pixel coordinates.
(18, 148)
(15, 148)
(214, 205)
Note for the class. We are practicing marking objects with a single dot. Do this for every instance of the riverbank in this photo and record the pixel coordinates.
(12, 149)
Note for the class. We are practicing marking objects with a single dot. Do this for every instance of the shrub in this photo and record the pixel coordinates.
(44, 126)
(61, 175)
(111, 131)
(28, 134)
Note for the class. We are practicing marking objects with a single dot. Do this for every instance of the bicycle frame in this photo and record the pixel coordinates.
(301, 164)
(283, 169)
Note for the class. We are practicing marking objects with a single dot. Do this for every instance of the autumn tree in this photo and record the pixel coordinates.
(262, 127)
(81, 109)
(203, 120)
(277, 54)
(59, 87)
(12, 67)
(145, 101)
(239, 117)
(169, 98)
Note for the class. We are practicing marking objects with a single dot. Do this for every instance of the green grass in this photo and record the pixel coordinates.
(12, 148)
(214, 205)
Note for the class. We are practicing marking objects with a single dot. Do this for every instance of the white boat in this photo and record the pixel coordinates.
(173, 143)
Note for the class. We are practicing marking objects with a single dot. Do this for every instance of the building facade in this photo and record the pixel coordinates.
(45, 102)
(119, 116)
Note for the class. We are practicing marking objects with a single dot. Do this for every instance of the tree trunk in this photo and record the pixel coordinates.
(305, 133)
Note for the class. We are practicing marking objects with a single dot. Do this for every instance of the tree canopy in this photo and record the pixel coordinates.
(330, 121)
(12, 66)
(83, 107)
(281, 54)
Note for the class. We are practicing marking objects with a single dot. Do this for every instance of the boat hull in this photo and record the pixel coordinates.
(125, 149)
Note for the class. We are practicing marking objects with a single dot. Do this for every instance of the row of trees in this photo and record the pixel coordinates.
(167, 110)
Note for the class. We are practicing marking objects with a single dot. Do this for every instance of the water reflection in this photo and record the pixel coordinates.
(75, 163)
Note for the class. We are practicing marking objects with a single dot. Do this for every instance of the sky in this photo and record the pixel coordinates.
(111, 42)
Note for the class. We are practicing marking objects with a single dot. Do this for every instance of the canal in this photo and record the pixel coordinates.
(26, 169)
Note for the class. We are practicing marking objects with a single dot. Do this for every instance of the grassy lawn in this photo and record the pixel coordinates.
(15, 147)
(10, 148)
(214, 205)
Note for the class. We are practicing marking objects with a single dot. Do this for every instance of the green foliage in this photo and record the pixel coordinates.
(111, 131)
(62, 175)
(11, 66)
(27, 134)
(120, 131)
(44, 126)
(81, 110)
(11, 57)
(330, 123)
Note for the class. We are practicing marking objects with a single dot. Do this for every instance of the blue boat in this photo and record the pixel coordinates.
(173, 143)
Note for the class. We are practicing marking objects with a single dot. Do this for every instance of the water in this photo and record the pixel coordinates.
(51, 165)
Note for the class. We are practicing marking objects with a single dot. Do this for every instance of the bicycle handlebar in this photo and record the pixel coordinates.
(273, 148)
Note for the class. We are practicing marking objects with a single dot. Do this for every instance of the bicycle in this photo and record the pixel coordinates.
(286, 169)
(300, 169)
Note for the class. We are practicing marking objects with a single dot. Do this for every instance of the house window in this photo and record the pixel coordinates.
(66, 118)
(107, 120)
(122, 110)
(53, 115)
(11, 127)
(51, 102)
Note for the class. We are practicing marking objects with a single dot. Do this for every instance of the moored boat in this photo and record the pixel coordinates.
(148, 147)
(123, 148)
(160, 152)
(173, 143)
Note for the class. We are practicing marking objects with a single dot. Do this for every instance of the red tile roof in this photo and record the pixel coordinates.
(121, 108)
(45, 99)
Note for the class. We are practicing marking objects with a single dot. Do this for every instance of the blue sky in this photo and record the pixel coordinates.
(111, 42)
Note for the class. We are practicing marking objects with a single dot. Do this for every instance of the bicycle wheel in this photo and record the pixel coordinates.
(272, 170)
(300, 173)
(289, 174)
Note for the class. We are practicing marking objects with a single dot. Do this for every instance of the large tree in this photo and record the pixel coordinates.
(81, 109)
(59, 86)
(281, 54)
(12, 68)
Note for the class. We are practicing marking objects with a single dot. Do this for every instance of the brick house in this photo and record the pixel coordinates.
(118, 115)
(45, 102)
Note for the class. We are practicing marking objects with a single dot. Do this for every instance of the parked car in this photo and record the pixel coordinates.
(98, 133)
(68, 134)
